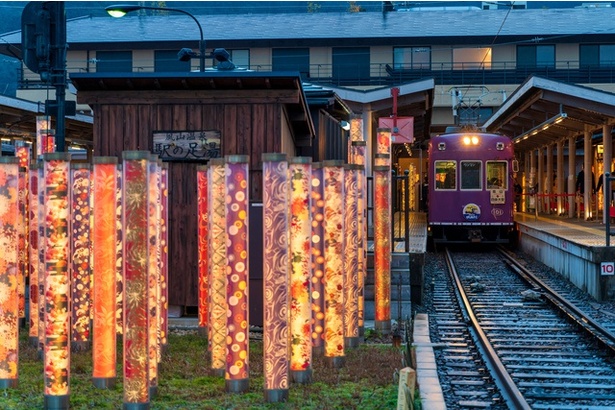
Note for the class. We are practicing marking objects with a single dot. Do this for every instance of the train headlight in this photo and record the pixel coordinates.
(441, 146)
(466, 140)
(499, 146)
(474, 140)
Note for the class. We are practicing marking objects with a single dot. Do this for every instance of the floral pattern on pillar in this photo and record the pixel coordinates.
(318, 260)
(202, 222)
(351, 240)
(382, 249)
(33, 223)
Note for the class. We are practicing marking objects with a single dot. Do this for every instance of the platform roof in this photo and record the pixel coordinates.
(539, 101)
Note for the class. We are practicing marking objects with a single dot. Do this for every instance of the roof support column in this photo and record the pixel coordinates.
(549, 178)
(607, 144)
(540, 181)
(560, 177)
(587, 175)
(533, 182)
(572, 159)
(525, 182)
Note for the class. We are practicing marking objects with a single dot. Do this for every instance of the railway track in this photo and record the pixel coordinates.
(509, 345)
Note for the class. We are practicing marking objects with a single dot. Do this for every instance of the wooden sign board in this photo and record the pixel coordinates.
(187, 145)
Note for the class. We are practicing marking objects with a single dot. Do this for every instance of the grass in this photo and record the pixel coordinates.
(365, 382)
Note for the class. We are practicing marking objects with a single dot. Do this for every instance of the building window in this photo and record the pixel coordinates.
(471, 173)
(113, 61)
(291, 59)
(351, 64)
(536, 56)
(412, 58)
(166, 61)
(446, 175)
(597, 55)
(471, 58)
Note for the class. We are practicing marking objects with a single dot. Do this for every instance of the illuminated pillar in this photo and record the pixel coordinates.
(237, 341)
(202, 222)
(382, 249)
(153, 272)
(217, 265)
(164, 249)
(334, 267)
(275, 278)
(57, 281)
(135, 201)
(383, 147)
(45, 136)
(301, 268)
(318, 260)
(80, 251)
(22, 245)
(34, 257)
(42, 243)
(119, 261)
(103, 246)
(358, 157)
(9, 304)
(351, 248)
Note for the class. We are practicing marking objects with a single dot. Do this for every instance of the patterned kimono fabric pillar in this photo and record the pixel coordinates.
(351, 248)
(119, 263)
(22, 246)
(135, 204)
(153, 288)
(318, 260)
(57, 281)
(42, 243)
(164, 250)
(203, 244)
(9, 303)
(80, 251)
(217, 265)
(104, 355)
(34, 260)
(276, 345)
(333, 176)
(237, 341)
(301, 269)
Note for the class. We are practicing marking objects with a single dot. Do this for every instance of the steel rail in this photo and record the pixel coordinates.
(510, 393)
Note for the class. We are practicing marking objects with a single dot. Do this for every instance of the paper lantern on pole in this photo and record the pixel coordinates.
(300, 178)
(33, 225)
(57, 280)
(203, 245)
(382, 249)
(164, 249)
(333, 176)
(237, 340)
(103, 245)
(153, 272)
(9, 303)
(80, 251)
(275, 277)
(318, 260)
(135, 203)
(351, 248)
(217, 265)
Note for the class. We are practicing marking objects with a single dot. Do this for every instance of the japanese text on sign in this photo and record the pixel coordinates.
(187, 145)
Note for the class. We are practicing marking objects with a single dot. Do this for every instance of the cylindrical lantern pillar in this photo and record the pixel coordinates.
(318, 260)
(217, 265)
(9, 304)
(203, 245)
(301, 268)
(22, 246)
(382, 249)
(153, 271)
(334, 266)
(237, 341)
(275, 277)
(80, 251)
(42, 243)
(119, 261)
(164, 250)
(358, 149)
(103, 245)
(351, 248)
(57, 281)
(34, 256)
(135, 202)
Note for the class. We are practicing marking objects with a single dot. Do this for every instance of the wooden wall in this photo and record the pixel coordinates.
(247, 129)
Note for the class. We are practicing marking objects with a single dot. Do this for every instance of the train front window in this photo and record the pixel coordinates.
(446, 175)
(496, 175)
(471, 172)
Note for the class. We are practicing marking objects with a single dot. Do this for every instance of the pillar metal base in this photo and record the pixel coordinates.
(8, 383)
(383, 326)
(22, 322)
(57, 402)
(301, 376)
(351, 342)
(318, 351)
(79, 346)
(361, 330)
(103, 382)
(153, 392)
(203, 332)
(217, 372)
(136, 406)
(336, 362)
(276, 395)
(237, 386)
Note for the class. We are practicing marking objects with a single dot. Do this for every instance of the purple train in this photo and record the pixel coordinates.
(471, 191)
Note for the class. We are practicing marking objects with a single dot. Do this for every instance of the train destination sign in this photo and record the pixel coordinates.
(186, 145)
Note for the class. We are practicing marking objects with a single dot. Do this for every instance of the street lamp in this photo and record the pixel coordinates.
(120, 10)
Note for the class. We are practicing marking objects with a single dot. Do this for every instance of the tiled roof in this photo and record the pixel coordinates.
(485, 24)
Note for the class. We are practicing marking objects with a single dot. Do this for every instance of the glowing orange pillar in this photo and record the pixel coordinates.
(382, 249)
(103, 245)
(333, 176)
(80, 251)
(358, 158)
(42, 243)
(237, 340)
(57, 281)
(203, 266)
(34, 256)
(300, 179)
(119, 262)
(9, 303)
(217, 265)
(135, 202)
(318, 260)
(164, 249)
(351, 249)
(275, 277)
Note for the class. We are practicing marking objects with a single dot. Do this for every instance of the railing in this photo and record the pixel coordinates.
(385, 74)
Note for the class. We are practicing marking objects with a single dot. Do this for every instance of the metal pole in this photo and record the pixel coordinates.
(58, 73)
